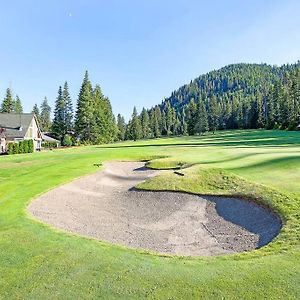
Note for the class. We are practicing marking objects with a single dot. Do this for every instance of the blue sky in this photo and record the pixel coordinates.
(138, 51)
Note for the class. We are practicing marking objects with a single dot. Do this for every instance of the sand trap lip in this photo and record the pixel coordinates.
(105, 206)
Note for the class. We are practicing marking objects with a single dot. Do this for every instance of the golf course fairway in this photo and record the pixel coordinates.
(38, 261)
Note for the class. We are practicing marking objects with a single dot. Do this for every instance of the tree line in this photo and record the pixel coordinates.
(240, 96)
(92, 122)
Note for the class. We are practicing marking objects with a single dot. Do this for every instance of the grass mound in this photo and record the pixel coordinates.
(167, 164)
(206, 181)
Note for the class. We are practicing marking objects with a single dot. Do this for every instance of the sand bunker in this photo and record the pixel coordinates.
(105, 206)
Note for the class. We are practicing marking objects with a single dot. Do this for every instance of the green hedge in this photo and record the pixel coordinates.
(49, 145)
(26, 146)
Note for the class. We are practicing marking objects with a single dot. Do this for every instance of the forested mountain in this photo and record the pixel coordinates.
(236, 96)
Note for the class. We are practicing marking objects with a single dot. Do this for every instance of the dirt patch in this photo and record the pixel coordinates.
(105, 206)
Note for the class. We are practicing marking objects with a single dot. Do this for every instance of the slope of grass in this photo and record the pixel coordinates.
(39, 262)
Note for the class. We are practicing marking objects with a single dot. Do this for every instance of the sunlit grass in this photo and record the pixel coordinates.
(39, 262)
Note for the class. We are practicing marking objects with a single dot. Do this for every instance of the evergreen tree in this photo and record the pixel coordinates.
(135, 128)
(121, 127)
(169, 118)
(68, 108)
(45, 116)
(213, 114)
(154, 123)
(201, 122)
(18, 105)
(158, 116)
(145, 123)
(36, 112)
(85, 110)
(184, 124)
(192, 114)
(8, 104)
(59, 127)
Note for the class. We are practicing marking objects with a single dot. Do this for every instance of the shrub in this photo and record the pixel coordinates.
(21, 147)
(10, 147)
(25, 146)
(67, 141)
(49, 145)
(30, 146)
(15, 148)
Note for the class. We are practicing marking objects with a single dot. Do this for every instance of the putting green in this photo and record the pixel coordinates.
(37, 261)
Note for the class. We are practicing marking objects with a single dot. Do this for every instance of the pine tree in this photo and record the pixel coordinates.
(112, 130)
(59, 127)
(169, 118)
(36, 112)
(213, 110)
(45, 116)
(158, 116)
(98, 123)
(121, 127)
(8, 104)
(201, 122)
(192, 114)
(154, 125)
(260, 117)
(145, 123)
(18, 105)
(135, 126)
(68, 108)
(85, 110)
(184, 125)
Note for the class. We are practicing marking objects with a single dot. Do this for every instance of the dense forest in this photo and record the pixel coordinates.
(239, 96)
(234, 97)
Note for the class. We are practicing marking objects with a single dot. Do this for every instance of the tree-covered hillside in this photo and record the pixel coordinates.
(247, 79)
(236, 96)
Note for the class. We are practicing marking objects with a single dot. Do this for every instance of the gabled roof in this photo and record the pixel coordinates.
(15, 125)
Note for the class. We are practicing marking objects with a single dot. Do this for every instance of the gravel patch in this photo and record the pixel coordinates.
(105, 206)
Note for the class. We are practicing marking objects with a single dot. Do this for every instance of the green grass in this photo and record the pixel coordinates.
(39, 262)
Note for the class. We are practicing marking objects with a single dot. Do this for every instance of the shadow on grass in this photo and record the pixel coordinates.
(241, 139)
(273, 163)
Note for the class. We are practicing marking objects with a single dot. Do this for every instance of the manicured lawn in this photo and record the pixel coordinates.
(39, 262)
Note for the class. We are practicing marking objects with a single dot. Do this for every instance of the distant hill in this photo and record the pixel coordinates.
(235, 96)
(236, 79)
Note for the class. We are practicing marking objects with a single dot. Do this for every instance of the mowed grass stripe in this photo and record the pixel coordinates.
(39, 262)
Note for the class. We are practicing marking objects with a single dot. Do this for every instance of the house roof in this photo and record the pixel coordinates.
(15, 125)
(46, 137)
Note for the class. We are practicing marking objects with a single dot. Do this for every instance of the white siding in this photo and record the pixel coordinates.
(2, 145)
(33, 133)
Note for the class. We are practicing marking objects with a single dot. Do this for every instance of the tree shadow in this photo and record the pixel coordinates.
(243, 139)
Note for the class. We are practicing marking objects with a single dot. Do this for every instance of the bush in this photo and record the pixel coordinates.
(30, 146)
(49, 145)
(10, 147)
(21, 147)
(67, 141)
(26, 146)
(15, 148)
